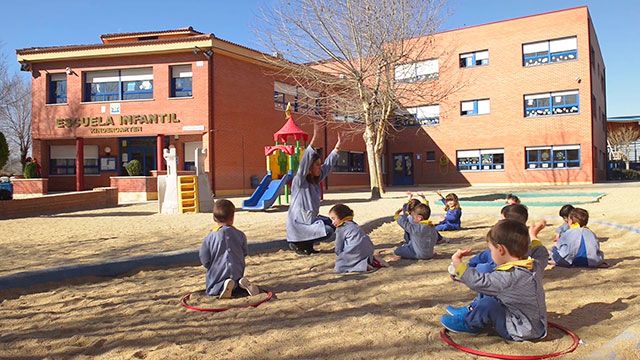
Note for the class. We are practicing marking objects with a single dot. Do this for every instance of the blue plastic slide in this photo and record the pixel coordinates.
(266, 193)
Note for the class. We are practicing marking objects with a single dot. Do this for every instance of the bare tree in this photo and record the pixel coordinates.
(15, 115)
(620, 138)
(368, 47)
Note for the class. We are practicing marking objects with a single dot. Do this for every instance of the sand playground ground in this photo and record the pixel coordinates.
(316, 314)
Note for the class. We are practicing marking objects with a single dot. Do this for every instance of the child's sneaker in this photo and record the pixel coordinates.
(458, 311)
(456, 324)
(378, 262)
(227, 289)
(247, 285)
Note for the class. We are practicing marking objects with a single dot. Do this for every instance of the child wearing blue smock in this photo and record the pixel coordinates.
(453, 213)
(222, 253)
(354, 249)
(578, 246)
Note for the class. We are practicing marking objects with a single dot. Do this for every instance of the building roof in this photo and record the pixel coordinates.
(184, 30)
(624, 119)
(136, 43)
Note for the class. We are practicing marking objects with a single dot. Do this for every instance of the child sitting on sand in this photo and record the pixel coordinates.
(454, 213)
(483, 262)
(514, 305)
(422, 234)
(578, 246)
(222, 253)
(354, 249)
(564, 214)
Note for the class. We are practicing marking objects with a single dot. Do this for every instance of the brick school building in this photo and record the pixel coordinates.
(533, 108)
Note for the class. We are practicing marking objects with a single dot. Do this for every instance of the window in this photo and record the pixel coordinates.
(475, 107)
(420, 116)
(62, 160)
(127, 84)
(487, 159)
(431, 156)
(473, 59)
(417, 71)
(550, 51)
(57, 89)
(301, 100)
(190, 154)
(181, 81)
(565, 102)
(548, 157)
(350, 162)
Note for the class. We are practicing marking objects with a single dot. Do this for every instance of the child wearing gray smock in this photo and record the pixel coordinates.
(222, 253)
(578, 246)
(354, 249)
(422, 235)
(514, 303)
(304, 226)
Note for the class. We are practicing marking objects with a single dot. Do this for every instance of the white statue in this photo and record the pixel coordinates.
(169, 204)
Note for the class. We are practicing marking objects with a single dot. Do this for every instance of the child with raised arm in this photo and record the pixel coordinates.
(514, 305)
(578, 246)
(222, 253)
(512, 199)
(354, 249)
(422, 234)
(408, 207)
(564, 214)
(454, 212)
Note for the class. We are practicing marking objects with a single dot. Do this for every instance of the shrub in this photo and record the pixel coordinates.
(30, 171)
(4, 151)
(134, 168)
(623, 174)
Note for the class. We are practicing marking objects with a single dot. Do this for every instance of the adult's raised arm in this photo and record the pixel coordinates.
(331, 160)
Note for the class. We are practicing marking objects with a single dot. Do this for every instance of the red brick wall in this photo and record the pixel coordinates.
(53, 204)
(135, 183)
(30, 186)
(599, 108)
(505, 81)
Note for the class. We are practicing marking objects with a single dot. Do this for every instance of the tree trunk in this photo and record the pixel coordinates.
(371, 159)
(380, 175)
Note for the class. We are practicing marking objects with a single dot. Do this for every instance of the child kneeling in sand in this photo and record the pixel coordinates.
(222, 253)
(354, 249)
(578, 246)
(422, 234)
(515, 303)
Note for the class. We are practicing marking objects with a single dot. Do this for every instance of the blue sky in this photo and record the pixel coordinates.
(63, 22)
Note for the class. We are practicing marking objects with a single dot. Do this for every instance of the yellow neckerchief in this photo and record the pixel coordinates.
(426, 222)
(215, 229)
(535, 243)
(457, 206)
(342, 221)
(574, 226)
(526, 263)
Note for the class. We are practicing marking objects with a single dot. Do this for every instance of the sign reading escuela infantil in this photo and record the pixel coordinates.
(98, 124)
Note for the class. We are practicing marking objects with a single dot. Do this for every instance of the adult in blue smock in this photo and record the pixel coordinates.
(304, 224)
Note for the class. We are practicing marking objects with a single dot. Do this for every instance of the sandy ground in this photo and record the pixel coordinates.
(392, 313)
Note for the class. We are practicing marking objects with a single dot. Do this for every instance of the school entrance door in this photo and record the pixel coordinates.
(142, 149)
(402, 169)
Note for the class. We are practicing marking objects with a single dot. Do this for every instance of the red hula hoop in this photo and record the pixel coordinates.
(185, 298)
(444, 336)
